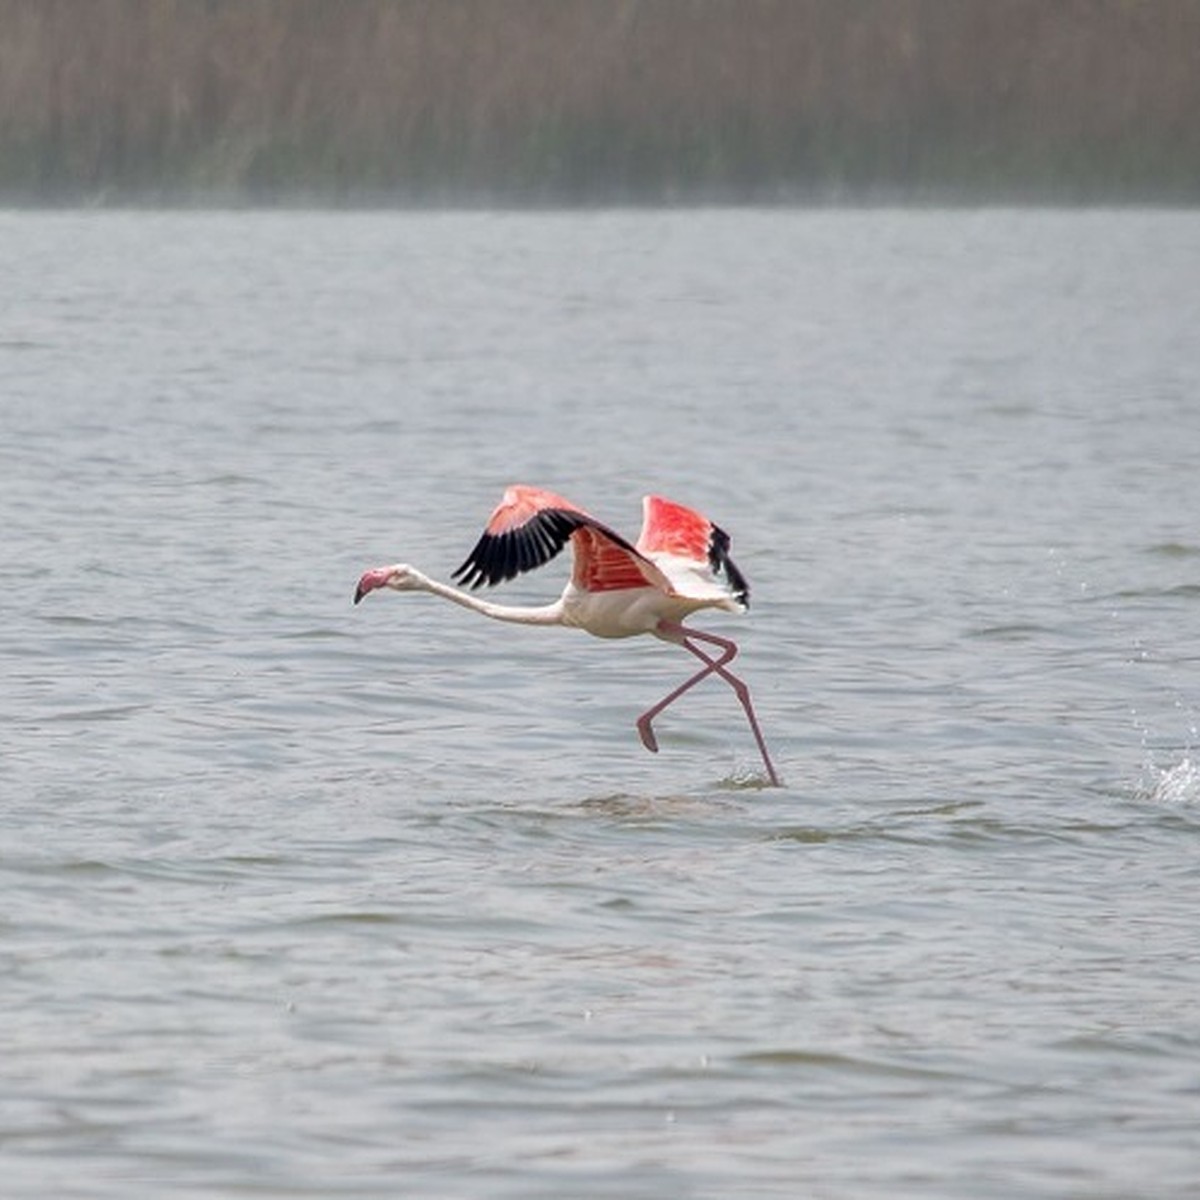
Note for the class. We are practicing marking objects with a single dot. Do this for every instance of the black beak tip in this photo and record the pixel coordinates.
(358, 594)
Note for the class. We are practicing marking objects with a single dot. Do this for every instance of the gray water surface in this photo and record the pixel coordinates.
(303, 899)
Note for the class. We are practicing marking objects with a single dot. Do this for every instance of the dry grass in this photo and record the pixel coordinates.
(606, 99)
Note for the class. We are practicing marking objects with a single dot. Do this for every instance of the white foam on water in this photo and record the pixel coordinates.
(1179, 784)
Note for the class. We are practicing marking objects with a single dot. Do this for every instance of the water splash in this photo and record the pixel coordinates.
(1179, 784)
(743, 779)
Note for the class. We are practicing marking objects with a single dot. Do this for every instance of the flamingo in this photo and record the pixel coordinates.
(679, 566)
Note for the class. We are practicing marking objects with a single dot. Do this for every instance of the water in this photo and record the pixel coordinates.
(303, 899)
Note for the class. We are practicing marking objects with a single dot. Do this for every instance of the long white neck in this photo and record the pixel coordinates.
(545, 614)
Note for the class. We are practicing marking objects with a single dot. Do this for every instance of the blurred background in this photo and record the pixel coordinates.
(598, 101)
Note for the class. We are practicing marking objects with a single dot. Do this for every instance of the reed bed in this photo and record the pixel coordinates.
(551, 101)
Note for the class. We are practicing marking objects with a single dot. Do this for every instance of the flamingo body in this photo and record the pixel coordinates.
(679, 566)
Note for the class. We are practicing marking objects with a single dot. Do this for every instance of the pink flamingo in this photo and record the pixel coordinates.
(680, 565)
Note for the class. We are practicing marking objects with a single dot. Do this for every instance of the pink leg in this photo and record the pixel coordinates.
(643, 722)
(685, 636)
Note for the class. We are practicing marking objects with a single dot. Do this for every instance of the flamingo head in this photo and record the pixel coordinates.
(400, 578)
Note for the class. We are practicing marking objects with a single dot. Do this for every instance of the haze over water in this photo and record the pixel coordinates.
(298, 898)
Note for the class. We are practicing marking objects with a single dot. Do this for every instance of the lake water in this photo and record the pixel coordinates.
(298, 898)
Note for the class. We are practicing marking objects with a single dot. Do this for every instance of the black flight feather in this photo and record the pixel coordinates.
(720, 562)
(503, 556)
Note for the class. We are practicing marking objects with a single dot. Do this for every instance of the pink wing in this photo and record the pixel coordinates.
(669, 528)
(530, 526)
(605, 562)
(520, 504)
